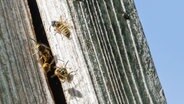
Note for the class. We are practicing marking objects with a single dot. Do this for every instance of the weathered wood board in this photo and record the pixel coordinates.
(21, 80)
(108, 52)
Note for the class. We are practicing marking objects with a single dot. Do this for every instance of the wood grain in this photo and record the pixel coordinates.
(108, 52)
(21, 80)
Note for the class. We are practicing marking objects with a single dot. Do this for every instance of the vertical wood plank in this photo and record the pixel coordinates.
(108, 49)
(21, 80)
(108, 52)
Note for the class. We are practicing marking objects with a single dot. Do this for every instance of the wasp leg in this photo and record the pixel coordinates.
(72, 71)
(62, 81)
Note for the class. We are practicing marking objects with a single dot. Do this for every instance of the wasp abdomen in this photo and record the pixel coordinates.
(61, 27)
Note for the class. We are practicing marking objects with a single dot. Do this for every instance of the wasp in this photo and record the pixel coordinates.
(47, 66)
(45, 56)
(63, 74)
(126, 15)
(61, 27)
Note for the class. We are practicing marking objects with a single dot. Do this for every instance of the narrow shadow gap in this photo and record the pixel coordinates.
(54, 82)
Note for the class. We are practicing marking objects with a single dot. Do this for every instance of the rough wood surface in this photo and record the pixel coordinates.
(21, 80)
(109, 53)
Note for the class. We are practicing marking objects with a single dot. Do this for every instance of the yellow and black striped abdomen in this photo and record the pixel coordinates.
(63, 29)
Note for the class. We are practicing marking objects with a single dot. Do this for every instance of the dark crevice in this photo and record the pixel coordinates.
(54, 83)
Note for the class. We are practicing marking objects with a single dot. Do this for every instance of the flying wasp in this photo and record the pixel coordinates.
(61, 27)
(63, 74)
